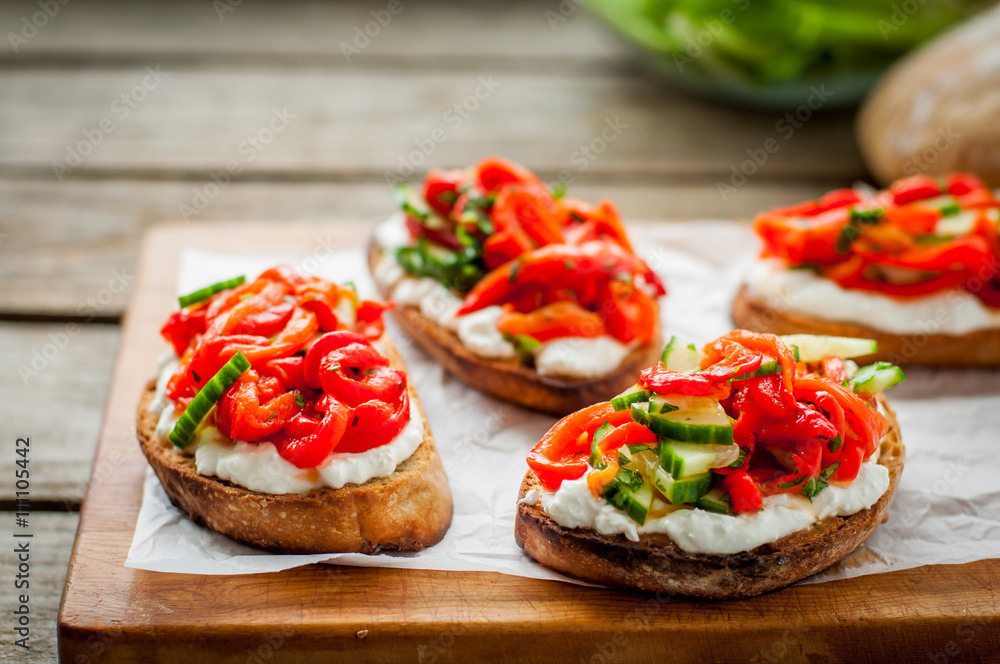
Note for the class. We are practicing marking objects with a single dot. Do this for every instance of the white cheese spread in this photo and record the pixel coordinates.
(805, 292)
(259, 467)
(700, 531)
(580, 357)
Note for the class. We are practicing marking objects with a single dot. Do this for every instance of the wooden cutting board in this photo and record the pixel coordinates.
(947, 613)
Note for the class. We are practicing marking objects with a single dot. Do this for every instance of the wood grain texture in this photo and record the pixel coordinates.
(49, 555)
(64, 245)
(53, 382)
(382, 615)
(449, 31)
(303, 120)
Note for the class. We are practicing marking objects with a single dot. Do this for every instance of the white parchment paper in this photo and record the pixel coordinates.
(946, 509)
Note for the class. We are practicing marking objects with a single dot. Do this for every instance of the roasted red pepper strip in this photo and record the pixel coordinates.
(369, 318)
(531, 209)
(725, 358)
(492, 173)
(863, 420)
(441, 188)
(265, 323)
(772, 346)
(908, 249)
(241, 413)
(306, 443)
(914, 188)
(559, 319)
(560, 455)
(661, 380)
(744, 496)
(322, 347)
(182, 327)
(374, 423)
(832, 368)
(555, 266)
(960, 184)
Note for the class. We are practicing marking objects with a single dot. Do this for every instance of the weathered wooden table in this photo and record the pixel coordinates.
(116, 117)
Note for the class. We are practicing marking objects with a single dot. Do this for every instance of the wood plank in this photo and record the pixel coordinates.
(444, 31)
(379, 122)
(369, 615)
(53, 384)
(66, 242)
(50, 548)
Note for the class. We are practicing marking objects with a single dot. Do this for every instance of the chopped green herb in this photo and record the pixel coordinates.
(405, 201)
(568, 265)
(514, 271)
(368, 372)
(741, 458)
(458, 270)
(817, 484)
(197, 378)
(642, 447)
(931, 239)
(623, 460)
(855, 225)
(271, 416)
(447, 197)
(951, 210)
(828, 472)
(299, 401)
(790, 484)
(835, 443)
(523, 344)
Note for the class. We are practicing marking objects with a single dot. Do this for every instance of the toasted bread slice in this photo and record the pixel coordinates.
(656, 564)
(980, 348)
(406, 511)
(509, 379)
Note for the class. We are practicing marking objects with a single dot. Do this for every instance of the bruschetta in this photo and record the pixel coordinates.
(916, 267)
(724, 473)
(521, 292)
(284, 419)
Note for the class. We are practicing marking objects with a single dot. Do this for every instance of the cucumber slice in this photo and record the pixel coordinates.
(685, 490)
(960, 223)
(631, 494)
(203, 401)
(768, 368)
(697, 420)
(684, 459)
(936, 203)
(715, 501)
(679, 356)
(876, 378)
(596, 460)
(814, 347)
(642, 462)
(629, 397)
(660, 508)
(209, 291)
(658, 405)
